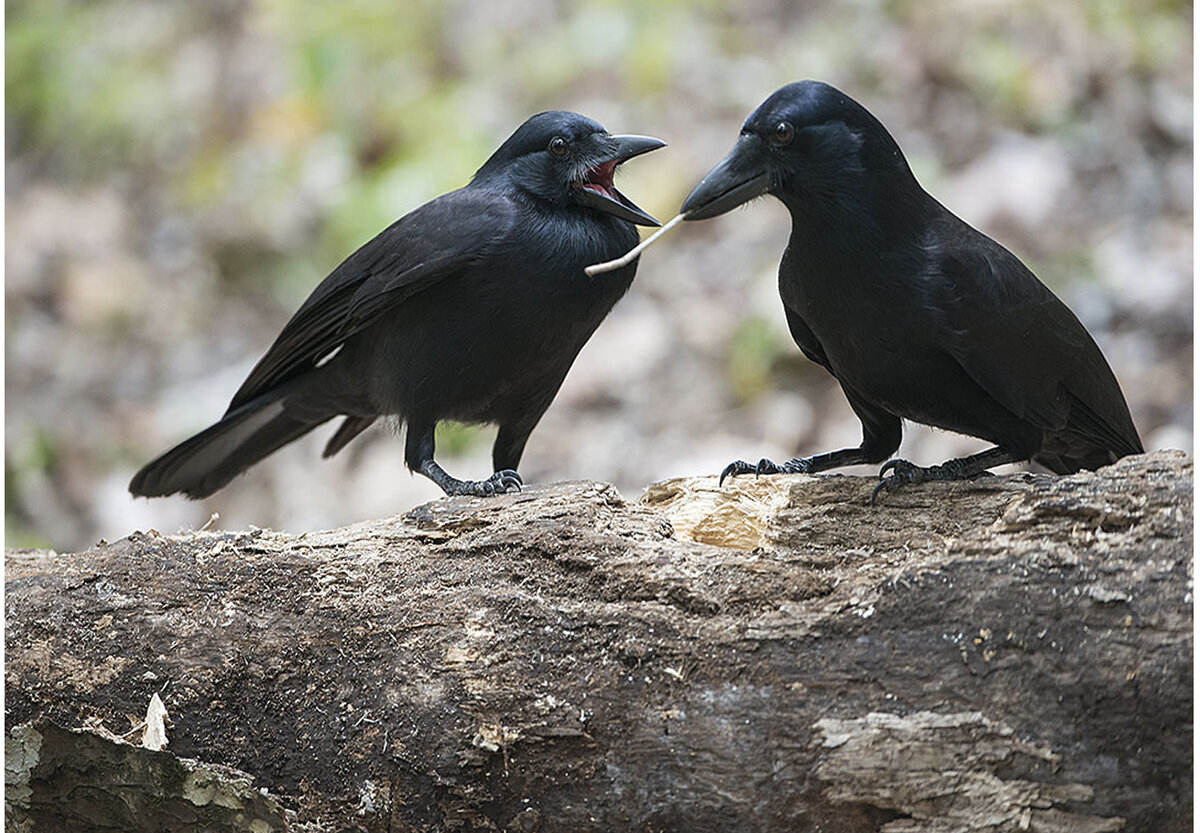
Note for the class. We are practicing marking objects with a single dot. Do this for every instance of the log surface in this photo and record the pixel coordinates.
(1013, 653)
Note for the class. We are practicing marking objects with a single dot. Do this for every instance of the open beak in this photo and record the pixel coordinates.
(595, 189)
(737, 179)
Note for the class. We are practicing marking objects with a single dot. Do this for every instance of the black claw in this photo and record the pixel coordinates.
(879, 487)
(733, 469)
(903, 473)
(766, 466)
(506, 480)
(503, 481)
(497, 484)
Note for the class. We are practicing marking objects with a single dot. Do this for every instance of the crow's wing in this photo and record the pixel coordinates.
(431, 243)
(1023, 345)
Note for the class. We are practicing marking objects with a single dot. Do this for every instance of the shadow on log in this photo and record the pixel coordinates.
(1013, 653)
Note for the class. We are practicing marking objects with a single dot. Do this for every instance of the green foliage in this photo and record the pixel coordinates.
(34, 459)
(251, 145)
(456, 439)
(753, 351)
(77, 91)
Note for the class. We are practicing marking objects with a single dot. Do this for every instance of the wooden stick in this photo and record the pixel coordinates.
(627, 258)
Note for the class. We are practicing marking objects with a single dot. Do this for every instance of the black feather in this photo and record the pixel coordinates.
(472, 307)
(918, 315)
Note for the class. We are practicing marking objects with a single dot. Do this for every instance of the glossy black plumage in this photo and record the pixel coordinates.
(469, 308)
(918, 315)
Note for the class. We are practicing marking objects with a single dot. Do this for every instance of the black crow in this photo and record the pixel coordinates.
(917, 315)
(470, 308)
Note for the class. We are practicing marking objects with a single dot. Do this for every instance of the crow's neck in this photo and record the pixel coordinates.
(858, 221)
(855, 251)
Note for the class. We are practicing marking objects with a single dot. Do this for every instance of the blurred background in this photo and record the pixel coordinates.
(180, 175)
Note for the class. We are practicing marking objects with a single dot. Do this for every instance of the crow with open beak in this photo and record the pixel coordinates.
(470, 308)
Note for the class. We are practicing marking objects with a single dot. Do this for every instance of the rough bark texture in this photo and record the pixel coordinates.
(84, 780)
(1013, 653)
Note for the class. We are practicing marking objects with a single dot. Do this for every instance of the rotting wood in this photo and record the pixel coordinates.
(1010, 653)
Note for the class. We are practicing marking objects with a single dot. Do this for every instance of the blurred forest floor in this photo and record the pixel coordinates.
(180, 175)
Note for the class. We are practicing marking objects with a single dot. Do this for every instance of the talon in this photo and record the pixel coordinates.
(879, 487)
(902, 472)
(733, 469)
(725, 472)
(508, 479)
(504, 480)
(765, 466)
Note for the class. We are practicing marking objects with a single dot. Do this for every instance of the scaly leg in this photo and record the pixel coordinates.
(418, 455)
(881, 436)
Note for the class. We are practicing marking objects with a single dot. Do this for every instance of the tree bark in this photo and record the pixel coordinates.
(1012, 653)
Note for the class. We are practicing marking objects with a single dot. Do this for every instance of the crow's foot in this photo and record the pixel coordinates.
(502, 481)
(904, 473)
(764, 466)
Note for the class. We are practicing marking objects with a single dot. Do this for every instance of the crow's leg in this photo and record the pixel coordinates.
(961, 468)
(510, 444)
(881, 436)
(418, 455)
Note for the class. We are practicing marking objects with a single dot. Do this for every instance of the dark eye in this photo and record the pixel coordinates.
(783, 133)
(558, 146)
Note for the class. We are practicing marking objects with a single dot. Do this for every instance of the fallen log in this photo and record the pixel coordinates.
(1012, 653)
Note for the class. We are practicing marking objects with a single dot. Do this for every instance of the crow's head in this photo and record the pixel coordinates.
(807, 143)
(564, 158)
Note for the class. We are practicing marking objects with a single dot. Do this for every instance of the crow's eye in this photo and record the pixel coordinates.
(558, 146)
(783, 133)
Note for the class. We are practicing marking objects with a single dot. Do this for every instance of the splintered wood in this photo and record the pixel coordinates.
(627, 258)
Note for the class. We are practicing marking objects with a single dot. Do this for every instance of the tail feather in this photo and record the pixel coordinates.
(204, 463)
(350, 428)
(1092, 438)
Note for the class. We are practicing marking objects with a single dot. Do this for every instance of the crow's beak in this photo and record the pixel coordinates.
(738, 178)
(595, 188)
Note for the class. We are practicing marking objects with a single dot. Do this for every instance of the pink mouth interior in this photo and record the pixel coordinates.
(600, 179)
